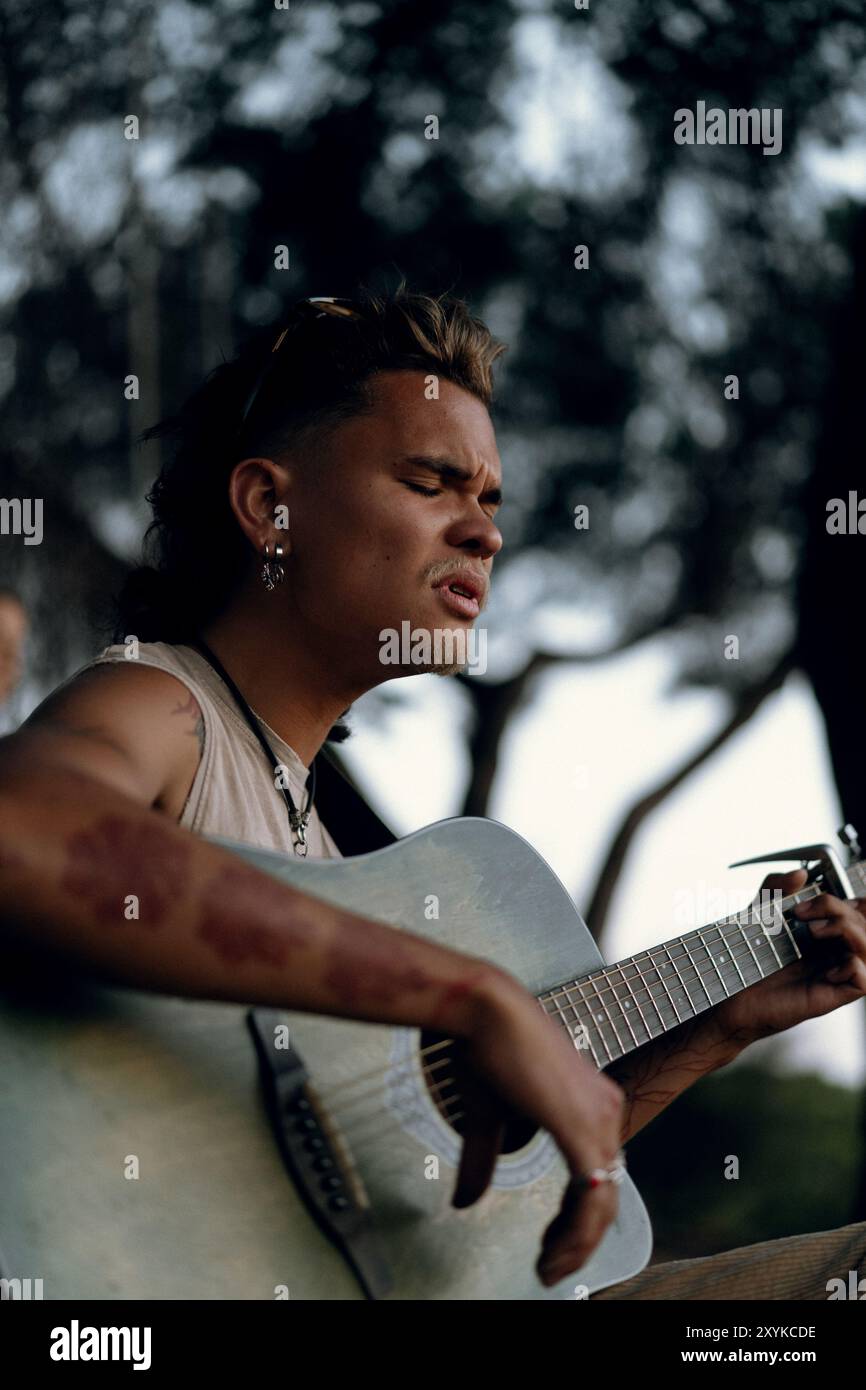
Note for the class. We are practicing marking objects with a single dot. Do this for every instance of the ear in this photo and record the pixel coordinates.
(259, 492)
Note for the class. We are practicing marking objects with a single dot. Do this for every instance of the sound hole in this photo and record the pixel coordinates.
(454, 1090)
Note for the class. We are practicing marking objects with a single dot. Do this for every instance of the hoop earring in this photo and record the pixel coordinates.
(272, 570)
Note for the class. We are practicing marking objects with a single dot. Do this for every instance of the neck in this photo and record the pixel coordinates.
(618, 1008)
(279, 671)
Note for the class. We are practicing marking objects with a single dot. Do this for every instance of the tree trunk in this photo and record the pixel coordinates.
(831, 632)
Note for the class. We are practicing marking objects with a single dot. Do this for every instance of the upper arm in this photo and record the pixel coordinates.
(135, 727)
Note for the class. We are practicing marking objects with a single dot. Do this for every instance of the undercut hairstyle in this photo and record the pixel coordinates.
(195, 555)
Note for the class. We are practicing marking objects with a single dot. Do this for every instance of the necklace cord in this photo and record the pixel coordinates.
(297, 819)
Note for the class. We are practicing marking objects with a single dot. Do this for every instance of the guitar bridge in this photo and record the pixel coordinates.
(316, 1157)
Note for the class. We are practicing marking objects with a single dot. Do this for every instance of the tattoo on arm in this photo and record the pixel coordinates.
(658, 1072)
(191, 710)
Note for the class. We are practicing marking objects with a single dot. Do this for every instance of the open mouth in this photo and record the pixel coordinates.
(462, 595)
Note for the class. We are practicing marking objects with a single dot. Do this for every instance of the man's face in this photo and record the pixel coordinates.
(375, 530)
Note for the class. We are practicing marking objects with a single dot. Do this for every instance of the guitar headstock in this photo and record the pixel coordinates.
(840, 872)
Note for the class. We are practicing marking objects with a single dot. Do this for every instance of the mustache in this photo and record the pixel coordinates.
(447, 569)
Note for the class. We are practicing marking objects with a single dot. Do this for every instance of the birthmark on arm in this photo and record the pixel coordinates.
(115, 857)
(249, 916)
(367, 971)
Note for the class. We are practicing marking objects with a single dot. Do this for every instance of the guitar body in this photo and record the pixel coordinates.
(96, 1078)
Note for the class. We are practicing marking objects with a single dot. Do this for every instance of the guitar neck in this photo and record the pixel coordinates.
(618, 1008)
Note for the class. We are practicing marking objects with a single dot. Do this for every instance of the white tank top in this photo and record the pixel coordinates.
(233, 793)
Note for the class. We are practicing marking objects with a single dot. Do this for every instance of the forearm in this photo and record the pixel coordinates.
(119, 890)
(658, 1072)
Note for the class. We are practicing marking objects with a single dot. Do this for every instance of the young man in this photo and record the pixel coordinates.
(367, 431)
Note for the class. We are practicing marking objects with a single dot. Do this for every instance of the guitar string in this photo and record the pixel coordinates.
(360, 1128)
(354, 1128)
(394, 1073)
(748, 918)
(401, 1073)
(809, 891)
(610, 988)
(696, 975)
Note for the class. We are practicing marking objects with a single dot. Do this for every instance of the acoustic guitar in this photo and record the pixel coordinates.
(164, 1148)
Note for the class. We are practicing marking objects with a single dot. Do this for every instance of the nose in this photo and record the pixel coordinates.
(477, 535)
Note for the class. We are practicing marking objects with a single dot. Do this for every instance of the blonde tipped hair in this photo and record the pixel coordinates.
(321, 376)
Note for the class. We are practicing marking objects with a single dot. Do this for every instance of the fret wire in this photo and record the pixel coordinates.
(661, 979)
(686, 957)
(617, 1038)
(653, 996)
(732, 956)
(697, 972)
(583, 1023)
(633, 960)
(590, 985)
(712, 960)
(557, 1014)
(803, 895)
(689, 959)
(665, 986)
(646, 985)
(666, 948)
(637, 1001)
(747, 923)
(798, 953)
(571, 1005)
(779, 918)
(621, 1009)
(751, 948)
(755, 920)
(772, 947)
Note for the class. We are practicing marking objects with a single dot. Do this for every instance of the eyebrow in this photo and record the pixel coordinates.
(447, 469)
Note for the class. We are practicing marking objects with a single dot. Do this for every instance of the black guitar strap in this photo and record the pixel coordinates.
(352, 824)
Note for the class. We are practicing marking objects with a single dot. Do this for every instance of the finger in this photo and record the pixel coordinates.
(788, 882)
(847, 927)
(850, 974)
(822, 905)
(828, 905)
(481, 1147)
(576, 1231)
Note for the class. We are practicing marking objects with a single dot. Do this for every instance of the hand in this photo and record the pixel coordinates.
(822, 981)
(521, 1063)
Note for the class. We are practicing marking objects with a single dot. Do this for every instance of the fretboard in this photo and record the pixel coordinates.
(617, 1008)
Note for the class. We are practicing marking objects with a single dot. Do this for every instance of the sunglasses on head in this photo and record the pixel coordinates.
(316, 307)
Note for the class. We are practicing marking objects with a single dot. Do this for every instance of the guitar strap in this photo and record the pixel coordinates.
(352, 824)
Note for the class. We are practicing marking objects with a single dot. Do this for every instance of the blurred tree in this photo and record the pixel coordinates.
(681, 1162)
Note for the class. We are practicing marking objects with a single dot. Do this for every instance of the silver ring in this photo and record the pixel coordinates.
(614, 1172)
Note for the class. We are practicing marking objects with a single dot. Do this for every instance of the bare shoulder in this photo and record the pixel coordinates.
(137, 727)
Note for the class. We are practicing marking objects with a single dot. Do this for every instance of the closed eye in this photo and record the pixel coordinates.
(427, 491)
